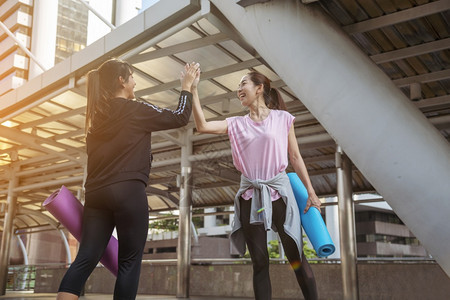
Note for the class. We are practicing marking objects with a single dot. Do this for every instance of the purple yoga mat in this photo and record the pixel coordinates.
(65, 207)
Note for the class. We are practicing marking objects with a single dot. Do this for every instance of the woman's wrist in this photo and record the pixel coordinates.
(311, 191)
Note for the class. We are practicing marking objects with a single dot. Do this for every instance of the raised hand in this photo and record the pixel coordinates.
(197, 79)
(190, 76)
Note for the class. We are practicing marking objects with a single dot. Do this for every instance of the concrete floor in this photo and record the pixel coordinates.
(30, 296)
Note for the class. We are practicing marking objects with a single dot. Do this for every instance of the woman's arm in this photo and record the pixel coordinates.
(154, 118)
(203, 126)
(300, 168)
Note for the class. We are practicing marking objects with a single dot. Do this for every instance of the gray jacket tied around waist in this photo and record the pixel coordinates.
(261, 209)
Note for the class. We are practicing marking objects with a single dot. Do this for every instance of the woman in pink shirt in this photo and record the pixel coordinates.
(260, 143)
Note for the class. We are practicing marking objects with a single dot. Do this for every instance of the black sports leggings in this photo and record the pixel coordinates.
(256, 239)
(122, 205)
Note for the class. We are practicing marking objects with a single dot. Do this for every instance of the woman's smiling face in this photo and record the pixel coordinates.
(247, 91)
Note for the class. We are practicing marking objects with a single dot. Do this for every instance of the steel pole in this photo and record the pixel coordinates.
(185, 218)
(8, 228)
(346, 226)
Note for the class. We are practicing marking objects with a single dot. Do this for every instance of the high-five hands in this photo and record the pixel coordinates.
(190, 76)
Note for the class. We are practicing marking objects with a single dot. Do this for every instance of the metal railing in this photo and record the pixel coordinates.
(21, 278)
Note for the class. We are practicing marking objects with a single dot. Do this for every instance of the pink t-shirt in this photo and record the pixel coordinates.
(260, 149)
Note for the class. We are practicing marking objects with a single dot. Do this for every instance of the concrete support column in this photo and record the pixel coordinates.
(43, 35)
(8, 228)
(346, 226)
(126, 10)
(184, 223)
(281, 248)
(231, 217)
(97, 27)
(210, 221)
(332, 221)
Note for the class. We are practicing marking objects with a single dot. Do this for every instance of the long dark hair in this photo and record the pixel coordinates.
(102, 84)
(272, 96)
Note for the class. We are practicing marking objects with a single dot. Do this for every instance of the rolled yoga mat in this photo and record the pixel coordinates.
(65, 207)
(312, 221)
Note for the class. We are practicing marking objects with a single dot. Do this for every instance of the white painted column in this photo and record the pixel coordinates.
(43, 35)
(332, 222)
(231, 217)
(96, 27)
(126, 10)
(209, 221)
(8, 229)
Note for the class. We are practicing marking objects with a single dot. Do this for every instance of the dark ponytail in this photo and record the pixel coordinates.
(275, 100)
(102, 84)
(272, 96)
(93, 96)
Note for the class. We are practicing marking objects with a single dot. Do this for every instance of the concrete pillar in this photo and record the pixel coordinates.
(113, 13)
(96, 27)
(126, 10)
(43, 35)
(386, 136)
(332, 221)
(210, 221)
(185, 218)
(8, 228)
(346, 226)
(231, 217)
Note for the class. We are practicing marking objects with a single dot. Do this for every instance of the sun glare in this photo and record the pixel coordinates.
(8, 124)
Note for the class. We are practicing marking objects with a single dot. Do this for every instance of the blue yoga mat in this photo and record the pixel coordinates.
(312, 221)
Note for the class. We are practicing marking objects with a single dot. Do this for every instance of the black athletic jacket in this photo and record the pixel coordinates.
(119, 148)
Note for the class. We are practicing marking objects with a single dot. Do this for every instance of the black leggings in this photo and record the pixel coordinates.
(256, 239)
(122, 205)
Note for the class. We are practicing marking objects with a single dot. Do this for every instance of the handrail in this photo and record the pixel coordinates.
(22, 276)
(245, 260)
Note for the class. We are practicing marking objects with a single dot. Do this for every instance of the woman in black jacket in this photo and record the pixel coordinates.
(119, 158)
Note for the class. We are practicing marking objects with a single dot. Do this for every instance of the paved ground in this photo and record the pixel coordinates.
(31, 296)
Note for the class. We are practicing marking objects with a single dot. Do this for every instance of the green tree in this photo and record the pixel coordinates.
(164, 225)
(309, 252)
(274, 250)
(171, 224)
